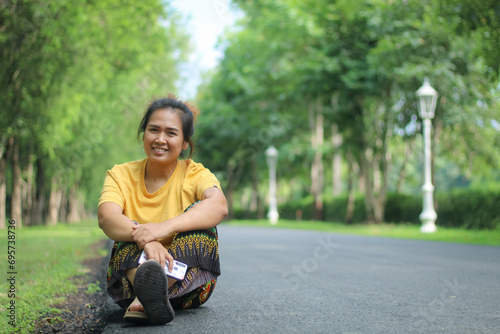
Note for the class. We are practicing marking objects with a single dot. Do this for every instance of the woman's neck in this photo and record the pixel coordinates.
(159, 172)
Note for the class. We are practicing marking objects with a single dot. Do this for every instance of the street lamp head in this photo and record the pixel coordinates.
(272, 155)
(428, 98)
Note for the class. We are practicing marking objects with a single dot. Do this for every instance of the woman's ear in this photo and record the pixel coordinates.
(185, 145)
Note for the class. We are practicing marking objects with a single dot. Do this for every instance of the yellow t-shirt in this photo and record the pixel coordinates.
(124, 185)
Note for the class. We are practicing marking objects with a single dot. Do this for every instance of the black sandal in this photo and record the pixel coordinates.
(150, 286)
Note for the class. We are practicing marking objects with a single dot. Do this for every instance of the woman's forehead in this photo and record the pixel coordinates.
(165, 115)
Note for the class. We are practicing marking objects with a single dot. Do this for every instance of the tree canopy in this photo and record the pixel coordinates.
(331, 84)
(75, 79)
(296, 73)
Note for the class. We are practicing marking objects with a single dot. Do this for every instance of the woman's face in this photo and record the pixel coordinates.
(163, 138)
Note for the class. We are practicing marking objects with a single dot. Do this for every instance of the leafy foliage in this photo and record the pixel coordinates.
(75, 79)
(363, 60)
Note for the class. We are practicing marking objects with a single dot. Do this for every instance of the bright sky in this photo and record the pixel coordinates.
(207, 19)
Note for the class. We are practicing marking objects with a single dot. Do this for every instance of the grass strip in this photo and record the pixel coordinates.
(402, 231)
(45, 260)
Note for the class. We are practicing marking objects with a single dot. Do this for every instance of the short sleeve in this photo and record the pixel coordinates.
(111, 191)
(200, 179)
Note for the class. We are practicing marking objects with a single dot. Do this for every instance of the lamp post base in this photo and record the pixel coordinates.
(428, 227)
(273, 217)
(428, 216)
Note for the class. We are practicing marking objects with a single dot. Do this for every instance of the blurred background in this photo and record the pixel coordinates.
(330, 84)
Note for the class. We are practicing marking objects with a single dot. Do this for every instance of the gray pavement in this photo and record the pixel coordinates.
(286, 281)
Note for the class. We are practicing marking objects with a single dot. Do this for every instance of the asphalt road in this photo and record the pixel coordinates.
(287, 281)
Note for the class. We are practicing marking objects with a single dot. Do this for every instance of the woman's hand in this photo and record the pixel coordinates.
(146, 233)
(156, 251)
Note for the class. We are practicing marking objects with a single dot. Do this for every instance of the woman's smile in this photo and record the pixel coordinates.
(159, 149)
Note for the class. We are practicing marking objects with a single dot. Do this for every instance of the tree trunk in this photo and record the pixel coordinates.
(367, 172)
(379, 208)
(261, 208)
(382, 162)
(39, 203)
(318, 159)
(28, 192)
(54, 201)
(234, 171)
(377, 177)
(229, 191)
(350, 189)
(74, 214)
(436, 134)
(317, 140)
(63, 208)
(402, 173)
(337, 141)
(375, 159)
(3, 192)
(254, 197)
(16, 204)
(336, 161)
(361, 179)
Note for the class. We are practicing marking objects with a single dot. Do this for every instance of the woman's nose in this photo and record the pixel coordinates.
(162, 138)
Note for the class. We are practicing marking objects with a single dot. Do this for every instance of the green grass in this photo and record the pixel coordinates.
(481, 237)
(46, 259)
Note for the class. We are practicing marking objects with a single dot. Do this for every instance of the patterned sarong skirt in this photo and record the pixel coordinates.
(198, 249)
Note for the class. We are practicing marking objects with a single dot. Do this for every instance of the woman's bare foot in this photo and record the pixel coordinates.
(135, 313)
(136, 306)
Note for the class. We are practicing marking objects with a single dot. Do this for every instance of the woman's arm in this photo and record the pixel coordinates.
(204, 215)
(119, 228)
(114, 223)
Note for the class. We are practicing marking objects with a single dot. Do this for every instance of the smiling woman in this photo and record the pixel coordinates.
(149, 205)
(163, 143)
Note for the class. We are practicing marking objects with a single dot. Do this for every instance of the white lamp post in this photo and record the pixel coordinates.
(272, 159)
(428, 98)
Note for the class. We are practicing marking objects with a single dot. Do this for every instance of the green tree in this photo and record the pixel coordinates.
(76, 79)
(246, 103)
(350, 68)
